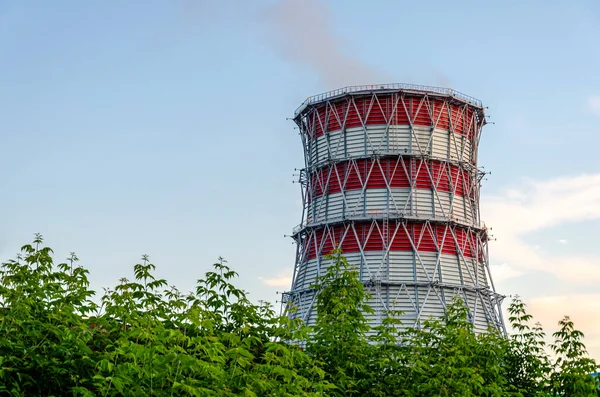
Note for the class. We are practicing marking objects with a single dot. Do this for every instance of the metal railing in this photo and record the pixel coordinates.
(388, 214)
(394, 86)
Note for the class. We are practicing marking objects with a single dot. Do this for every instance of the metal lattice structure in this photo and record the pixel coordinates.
(391, 178)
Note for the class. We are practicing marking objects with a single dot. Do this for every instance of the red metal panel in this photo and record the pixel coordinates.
(327, 241)
(397, 173)
(337, 177)
(400, 242)
(354, 117)
(443, 119)
(470, 123)
(426, 174)
(313, 125)
(425, 237)
(462, 241)
(309, 246)
(375, 175)
(379, 109)
(458, 119)
(319, 119)
(445, 240)
(461, 181)
(375, 112)
(457, 181)
(372, 239)
(354, 176)
(420, 174)
(470, 250)
(350, 243)
(439, 173)
(335, 116)
(419, 112)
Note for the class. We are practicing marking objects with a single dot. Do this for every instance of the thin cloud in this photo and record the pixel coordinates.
(301, 31)
(504, 272)
(283, 280)
(538, 205)
(594, 104)
(581, 308)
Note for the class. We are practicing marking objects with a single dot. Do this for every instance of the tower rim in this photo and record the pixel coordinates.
(389, 88)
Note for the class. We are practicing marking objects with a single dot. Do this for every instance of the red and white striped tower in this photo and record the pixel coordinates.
(391, 178)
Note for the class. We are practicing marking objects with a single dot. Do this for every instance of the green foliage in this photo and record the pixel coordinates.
(572, 367)
(144, 338)
(527, 364)
(448, 359)
(339, 335)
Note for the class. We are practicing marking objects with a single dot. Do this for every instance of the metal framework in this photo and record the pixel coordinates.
(391, 178)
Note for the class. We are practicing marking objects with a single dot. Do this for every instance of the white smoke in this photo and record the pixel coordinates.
(301, 31)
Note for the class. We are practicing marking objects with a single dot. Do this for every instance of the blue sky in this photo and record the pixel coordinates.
(160, 127)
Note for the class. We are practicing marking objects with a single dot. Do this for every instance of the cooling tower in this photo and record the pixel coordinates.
(391, 178)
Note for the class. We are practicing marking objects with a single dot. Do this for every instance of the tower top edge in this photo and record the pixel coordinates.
(388, 88)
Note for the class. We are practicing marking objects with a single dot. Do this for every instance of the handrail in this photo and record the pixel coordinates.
(390, 215)
(394, 86)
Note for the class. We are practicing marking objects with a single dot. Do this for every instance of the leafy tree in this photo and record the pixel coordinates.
(527, 363)
(145, 338)
(448, 359)
(45, 341)
(339, 335)
(571, 376)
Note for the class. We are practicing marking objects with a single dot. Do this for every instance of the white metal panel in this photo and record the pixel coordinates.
(458, 209)
(430, 303)
(421, 140)
(422, 203)
(322, 148)
(312, 150)
(480, 311)
(403, 299)
(483, 280)
(425, 265)
(440, 144)
(376, 202)
(353, 258)
(449, 268)
(441, 204)
(399, 200)
(402, 266)
(355, 203)
(455, 147)
(460, 148)
(306, 275)
(399, 138)
(355, 142)
(468, 276)
(374, 266)
(335, 206)
(336, 145)
(376, 139)
(467, 150)
(317, 210)
(470, 212)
